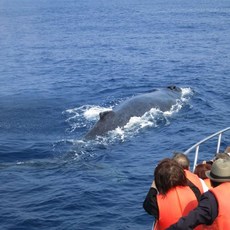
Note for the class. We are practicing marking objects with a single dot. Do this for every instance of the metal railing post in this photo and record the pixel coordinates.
(218, 144)
(196, 157)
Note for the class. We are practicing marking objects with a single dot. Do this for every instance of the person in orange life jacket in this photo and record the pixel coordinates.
(183, 160)
(200, 172)
(214, 207)
(170, 189)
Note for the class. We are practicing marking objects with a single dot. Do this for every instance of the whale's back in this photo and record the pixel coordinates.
(162, 99)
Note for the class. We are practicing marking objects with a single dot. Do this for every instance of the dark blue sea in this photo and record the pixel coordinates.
(63, 62)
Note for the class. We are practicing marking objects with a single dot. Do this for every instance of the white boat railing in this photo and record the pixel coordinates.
(197, 145)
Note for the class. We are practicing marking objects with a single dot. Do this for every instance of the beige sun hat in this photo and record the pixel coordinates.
(220, 171)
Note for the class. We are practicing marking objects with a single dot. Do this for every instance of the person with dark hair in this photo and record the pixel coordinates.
(213, 209)
(200, 172)
(170, 195)
(183, 160)
(201, 169)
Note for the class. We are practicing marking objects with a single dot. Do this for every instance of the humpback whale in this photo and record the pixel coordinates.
(162, 99)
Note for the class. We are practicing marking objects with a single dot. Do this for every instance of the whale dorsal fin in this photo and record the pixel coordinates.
(105, 114)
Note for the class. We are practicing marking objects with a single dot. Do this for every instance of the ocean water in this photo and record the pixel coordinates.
(63, 62)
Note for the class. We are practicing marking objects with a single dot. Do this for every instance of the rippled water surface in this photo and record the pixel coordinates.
(62, 63)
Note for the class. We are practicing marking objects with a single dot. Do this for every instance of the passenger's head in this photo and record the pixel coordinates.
(227, 150)
(169, 174)
(182, 160)
(201, 169)
(222, 156)
(220, 172)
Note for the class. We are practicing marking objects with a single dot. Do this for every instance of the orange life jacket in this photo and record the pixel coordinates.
(208, 183)
(222, 193)
(177, 203)
(195, 180)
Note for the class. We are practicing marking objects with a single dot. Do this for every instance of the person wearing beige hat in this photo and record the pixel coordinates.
(214, 205)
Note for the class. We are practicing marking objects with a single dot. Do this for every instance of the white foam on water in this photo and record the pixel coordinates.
(79, 117)
(93, 113)
(186, 94)
(136, 124)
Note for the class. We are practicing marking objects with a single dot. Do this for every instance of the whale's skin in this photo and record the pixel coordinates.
(162, 99)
